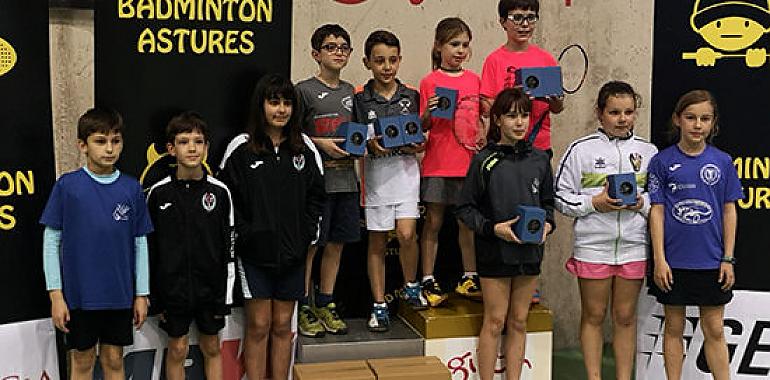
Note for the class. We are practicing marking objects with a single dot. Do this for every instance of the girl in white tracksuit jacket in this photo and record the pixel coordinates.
(609, 257)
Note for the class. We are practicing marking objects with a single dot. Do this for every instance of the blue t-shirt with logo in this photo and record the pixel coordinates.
(98, 224)
(693, 191)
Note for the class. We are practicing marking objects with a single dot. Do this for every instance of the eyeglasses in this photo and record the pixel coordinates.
(333, 48)
(519, 18)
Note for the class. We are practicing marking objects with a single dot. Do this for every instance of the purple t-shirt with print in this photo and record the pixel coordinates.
(693, 191)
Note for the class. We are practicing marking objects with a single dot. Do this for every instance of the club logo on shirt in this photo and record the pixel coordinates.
(121, 212)
(636, 161)
(674, 167)
(600, 163)
(299, 162)
(372, 115)
(165, 206)
(535, 186)
(692, 211)
(209, 201)
(405, 104)
(710, 174)
(322, 95)
(347, 103)
(256, 164)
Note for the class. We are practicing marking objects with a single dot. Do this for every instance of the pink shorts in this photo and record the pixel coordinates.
(630, 271)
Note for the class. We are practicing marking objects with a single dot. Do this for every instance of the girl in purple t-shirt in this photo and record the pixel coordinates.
(693, 187)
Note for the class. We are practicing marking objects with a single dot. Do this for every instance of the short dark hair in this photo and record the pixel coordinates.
(381, 37)
(327, 30)
(616, 88)
(513, 98)
(186, 122)
(505, 6)
(99, 120)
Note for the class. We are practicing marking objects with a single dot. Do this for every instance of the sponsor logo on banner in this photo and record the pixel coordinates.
(28, 351)
(460, 357)
(747, 326)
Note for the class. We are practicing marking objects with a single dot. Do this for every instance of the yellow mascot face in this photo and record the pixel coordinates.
(732, 33)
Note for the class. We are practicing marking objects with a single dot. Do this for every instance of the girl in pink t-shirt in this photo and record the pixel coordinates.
(450, 147)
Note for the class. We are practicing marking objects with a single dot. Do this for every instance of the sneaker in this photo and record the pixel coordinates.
(379, 320)
(309, 325)
(469, 286)
(433, 293)
(330, 320)
(412, 295)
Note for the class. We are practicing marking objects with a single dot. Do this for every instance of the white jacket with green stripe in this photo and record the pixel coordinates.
(616, 237)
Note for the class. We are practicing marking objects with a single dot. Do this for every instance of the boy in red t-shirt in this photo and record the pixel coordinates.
(519, 19)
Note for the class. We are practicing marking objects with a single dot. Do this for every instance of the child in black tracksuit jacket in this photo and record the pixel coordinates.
(192, 268)
(506, 173)
(276, 180)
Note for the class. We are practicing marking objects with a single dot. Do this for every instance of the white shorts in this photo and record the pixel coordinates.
(383, 218)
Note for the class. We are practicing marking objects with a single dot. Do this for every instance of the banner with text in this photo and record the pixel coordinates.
(157, 58)
(28, 351)
(747, 326)
(722, 46)
(26, 162)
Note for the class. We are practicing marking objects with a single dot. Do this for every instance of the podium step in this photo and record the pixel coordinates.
(359, 343)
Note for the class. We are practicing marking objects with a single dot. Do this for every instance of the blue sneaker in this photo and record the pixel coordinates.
(413, 296)
(379, 320)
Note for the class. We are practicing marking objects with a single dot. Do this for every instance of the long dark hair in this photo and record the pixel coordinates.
(272, 86)
(509, 99)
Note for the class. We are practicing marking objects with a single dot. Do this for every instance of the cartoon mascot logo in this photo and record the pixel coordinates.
(730, 28)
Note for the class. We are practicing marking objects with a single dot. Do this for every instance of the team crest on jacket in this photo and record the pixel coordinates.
(299, 162)
(636, 161)
(535, 185)
(209, 201)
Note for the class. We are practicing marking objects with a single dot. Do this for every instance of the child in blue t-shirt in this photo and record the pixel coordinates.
(693, 187)
(95, 250)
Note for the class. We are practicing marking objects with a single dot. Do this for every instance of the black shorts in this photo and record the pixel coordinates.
(285, 284)
(341, 220)
(89, 327)
(527, 269)
(177, 324)
(692, 287)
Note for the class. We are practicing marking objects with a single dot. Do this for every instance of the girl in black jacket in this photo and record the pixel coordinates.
(507, 173)
(278, 193)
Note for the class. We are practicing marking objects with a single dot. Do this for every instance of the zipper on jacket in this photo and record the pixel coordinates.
(620, 170)
(191, 292)
(278, 171)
